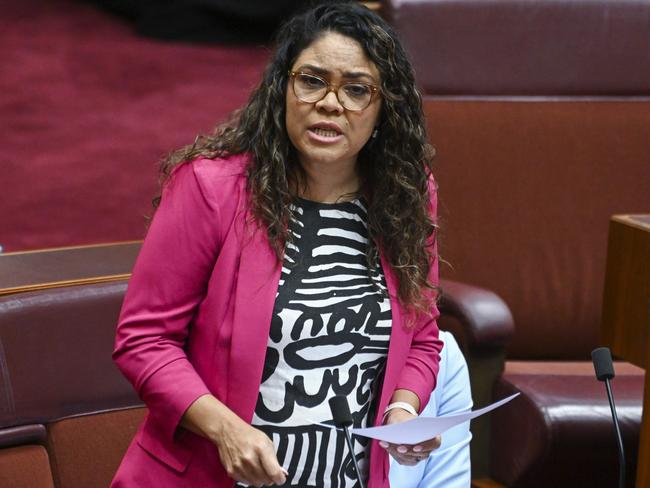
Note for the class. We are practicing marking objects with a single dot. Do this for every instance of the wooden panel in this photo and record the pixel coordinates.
(50, 268)
(626, 304)
(626, 310)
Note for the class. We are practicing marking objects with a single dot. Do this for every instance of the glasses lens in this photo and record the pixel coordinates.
(355, 96)
(309, 88)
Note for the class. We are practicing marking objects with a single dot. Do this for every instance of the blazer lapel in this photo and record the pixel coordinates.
(400, 342)
(398, 349)
(257, 285)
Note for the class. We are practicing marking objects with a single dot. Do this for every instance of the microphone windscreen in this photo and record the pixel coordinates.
(340, 411)
(603, 365)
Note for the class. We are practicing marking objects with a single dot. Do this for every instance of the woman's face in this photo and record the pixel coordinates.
(325, 133)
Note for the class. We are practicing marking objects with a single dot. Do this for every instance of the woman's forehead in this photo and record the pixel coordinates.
(334, 53)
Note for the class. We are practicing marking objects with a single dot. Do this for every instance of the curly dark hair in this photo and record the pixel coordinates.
(395, 167)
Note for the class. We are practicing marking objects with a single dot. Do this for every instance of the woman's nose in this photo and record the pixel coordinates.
(330, 102)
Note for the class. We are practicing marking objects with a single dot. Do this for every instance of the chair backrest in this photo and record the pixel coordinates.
(55, 354)
(540, 113)
(66, 413)
(25, 467)
(86, 450)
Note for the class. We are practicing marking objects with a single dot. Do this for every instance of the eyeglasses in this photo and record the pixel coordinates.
(354, 97)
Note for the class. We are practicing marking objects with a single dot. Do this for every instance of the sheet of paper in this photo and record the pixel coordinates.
(423, 428)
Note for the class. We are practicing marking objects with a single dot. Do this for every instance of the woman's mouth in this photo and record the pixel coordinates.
(325, 132)
(325, 136)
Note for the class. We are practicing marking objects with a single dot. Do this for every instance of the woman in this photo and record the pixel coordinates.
(291, 259)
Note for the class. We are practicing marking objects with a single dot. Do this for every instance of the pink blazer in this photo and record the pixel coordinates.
(196, 320)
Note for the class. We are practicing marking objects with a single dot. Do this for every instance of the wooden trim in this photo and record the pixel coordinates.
(640, 221)
(566, 368)
(59, 284)
(66, 266)
(68, 248)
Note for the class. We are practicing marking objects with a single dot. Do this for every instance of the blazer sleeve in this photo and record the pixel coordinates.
(421, 367)
(169, 281)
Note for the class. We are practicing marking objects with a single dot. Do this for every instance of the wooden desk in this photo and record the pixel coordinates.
(626, 310)
(66, 266)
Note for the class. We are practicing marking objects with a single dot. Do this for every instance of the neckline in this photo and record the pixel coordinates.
(315, 204)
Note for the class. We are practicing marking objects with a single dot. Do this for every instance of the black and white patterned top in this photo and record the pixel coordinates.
(329, 336)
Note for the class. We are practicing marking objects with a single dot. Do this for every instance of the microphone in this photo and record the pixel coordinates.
(604, 368)
(343, 419)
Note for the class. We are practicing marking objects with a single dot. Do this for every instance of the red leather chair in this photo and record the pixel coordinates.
(540, 112)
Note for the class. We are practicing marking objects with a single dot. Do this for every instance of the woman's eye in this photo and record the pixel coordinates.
(311, 81)
(354, 90)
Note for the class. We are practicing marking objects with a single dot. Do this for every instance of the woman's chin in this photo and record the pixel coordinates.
(332, 160)
(332, 156)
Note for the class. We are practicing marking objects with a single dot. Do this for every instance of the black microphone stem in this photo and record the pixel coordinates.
(348, 438)
(619, 438)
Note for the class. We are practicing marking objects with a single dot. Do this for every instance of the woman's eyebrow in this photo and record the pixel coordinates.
(346, 74)
(315, 69)
(358, 74)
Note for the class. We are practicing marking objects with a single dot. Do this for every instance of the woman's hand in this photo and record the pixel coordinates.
(246, 453)
(408, 455)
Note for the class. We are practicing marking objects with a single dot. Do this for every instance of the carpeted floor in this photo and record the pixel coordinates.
(87, 108)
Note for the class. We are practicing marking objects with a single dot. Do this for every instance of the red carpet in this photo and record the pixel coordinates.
(87, 110)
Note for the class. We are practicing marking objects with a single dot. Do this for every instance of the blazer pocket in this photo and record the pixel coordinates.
(176, 454)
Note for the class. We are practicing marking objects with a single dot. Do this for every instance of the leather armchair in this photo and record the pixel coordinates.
(540, 114)
(483, 325)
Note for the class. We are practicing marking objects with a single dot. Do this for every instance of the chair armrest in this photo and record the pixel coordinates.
(485, 318)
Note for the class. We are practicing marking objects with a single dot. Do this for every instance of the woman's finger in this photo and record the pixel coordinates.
(402, 458)
(429, 445)
(406, 460)
(416, 456)
(422, 447)
(406, 455)
(272, 468)
(252, 472)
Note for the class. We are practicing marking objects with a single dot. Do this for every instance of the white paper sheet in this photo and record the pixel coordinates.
(421, 429)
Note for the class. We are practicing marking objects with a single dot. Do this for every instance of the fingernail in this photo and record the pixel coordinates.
(383, 444)
(286, 473)
(417, 449)
(402, 449)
